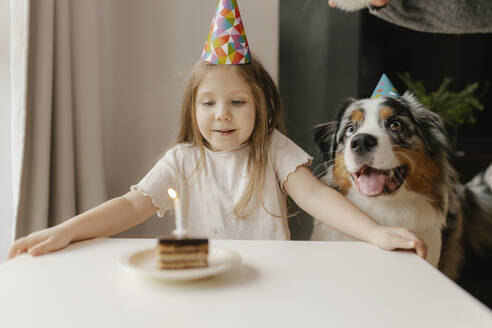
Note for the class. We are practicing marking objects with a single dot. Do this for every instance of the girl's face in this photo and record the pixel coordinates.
(225, 109)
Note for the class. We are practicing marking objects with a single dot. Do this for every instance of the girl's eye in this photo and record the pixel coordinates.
(208, 103)
(238, 102)
(395, 126)
(349, 130)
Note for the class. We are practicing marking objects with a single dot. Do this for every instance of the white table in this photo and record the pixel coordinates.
(278, 284)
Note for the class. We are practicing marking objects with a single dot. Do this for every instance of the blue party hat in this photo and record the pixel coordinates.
(385, 89)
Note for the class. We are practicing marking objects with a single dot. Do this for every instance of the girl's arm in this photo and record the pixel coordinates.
(109, 218)
(333, 209)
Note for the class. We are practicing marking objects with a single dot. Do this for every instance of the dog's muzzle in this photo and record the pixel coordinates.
(373, 182)
(363, 143)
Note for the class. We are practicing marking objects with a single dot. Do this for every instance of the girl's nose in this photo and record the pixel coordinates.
(223, 113)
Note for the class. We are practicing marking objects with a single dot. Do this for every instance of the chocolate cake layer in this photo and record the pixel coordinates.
(182, 249)
(172, 240)
(182, 253)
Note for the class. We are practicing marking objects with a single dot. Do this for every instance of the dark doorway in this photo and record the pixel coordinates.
(327, 55)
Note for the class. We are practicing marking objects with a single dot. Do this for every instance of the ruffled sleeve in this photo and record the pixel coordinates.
(286, 156)
(158, 180)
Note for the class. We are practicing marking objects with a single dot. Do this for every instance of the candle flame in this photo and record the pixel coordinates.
(172, 193)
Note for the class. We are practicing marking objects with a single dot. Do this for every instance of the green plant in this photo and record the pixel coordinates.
(455, 107)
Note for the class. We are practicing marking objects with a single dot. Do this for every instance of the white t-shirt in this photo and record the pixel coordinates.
(208, 197)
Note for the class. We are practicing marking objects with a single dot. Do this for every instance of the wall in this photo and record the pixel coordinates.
(148, 48)
(5, 165)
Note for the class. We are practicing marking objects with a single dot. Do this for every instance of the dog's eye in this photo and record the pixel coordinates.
(395, 126)
(349, 131)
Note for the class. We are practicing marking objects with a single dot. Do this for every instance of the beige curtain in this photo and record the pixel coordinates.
(57, 127)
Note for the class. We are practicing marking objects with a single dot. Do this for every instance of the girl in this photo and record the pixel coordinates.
(232, 168)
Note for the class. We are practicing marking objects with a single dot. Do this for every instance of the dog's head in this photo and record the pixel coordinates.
(380, 146)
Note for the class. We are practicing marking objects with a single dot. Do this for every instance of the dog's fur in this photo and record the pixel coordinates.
(391, 157)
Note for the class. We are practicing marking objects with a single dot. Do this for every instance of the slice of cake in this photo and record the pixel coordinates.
(182, 253)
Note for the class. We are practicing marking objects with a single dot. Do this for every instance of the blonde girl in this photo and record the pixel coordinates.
(233, 169)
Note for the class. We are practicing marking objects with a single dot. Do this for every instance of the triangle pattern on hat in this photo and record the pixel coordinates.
(226, 42)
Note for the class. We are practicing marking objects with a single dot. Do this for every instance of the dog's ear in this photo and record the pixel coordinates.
(451, 132)
(325, 137)
(438, 134)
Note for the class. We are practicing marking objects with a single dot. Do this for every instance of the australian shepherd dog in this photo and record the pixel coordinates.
(391, 158)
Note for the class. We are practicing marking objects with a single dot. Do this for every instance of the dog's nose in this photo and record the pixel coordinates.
(363, 143)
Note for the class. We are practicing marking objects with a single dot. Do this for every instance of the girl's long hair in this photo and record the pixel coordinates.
(269, 115)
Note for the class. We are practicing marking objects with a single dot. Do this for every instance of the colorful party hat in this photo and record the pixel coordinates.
(385, 89)
(226, 42)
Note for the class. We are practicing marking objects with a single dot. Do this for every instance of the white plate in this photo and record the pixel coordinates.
(144, 263)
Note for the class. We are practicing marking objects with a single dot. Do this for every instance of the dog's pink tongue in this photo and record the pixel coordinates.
(371, 184)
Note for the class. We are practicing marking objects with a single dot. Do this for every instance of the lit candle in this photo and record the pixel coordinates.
(179, 231)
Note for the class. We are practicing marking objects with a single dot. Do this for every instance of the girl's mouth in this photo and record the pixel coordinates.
(224, 132)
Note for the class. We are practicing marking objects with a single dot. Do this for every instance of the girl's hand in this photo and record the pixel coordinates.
(394, 237)
(41, 242)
